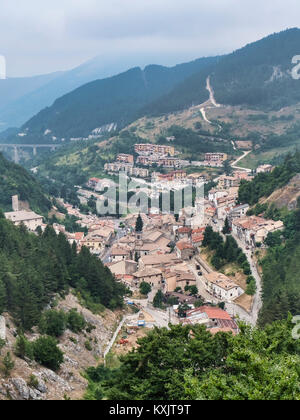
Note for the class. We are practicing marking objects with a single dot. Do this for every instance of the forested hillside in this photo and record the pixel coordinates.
(280, 265)
(258, 75)
(15, 180)
(281, 285)
(34, 268)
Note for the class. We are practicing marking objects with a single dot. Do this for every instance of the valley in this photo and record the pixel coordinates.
(153, 251)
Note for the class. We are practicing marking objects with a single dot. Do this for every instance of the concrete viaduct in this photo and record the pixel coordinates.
(34, 148)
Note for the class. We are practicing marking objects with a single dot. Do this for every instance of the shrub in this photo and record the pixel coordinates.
(2, 344)
(47, 353)
(88, 345)
(8, 364)
(250, 279)
(75, 321)
(23, 348)
(53, 323)
(33, 382)
(251, 288)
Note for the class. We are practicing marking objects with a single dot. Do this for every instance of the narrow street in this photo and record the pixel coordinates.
(200, 281)
(232, 308)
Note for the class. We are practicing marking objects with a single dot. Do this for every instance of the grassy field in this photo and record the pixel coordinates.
(253, 160)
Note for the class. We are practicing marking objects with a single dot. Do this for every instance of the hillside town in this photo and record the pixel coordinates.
(165, 250)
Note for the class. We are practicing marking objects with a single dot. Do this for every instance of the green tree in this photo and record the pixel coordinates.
(53, 323)
(145, 288)
(23, 348)
(158, 299)
(182, 310)
(8, 364)
(194, 290)
(226, 229)
(2, 296)
(47, 353)
(75, 321)
(139, 224)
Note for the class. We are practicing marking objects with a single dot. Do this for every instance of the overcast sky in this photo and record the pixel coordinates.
(42, 36)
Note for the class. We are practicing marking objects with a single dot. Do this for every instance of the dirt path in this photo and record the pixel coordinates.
(211, 93)
(234, 164)
(202, 110)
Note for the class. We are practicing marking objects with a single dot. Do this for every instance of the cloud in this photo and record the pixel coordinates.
(43, 36)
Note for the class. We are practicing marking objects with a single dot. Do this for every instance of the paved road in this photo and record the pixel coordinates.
(257, 302)
(105, 256)
(232, 308)
(200, 281)
(162, 318)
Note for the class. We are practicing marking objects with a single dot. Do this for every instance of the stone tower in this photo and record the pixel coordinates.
(15, 203)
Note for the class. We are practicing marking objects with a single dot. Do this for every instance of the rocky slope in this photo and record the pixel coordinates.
(286, 196)
(68, 382)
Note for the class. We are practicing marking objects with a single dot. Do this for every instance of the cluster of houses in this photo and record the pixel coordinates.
(125, 163)
(253, 230)
(224, 197)
(159, 255)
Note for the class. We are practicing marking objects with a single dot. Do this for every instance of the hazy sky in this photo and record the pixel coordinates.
(42, 36)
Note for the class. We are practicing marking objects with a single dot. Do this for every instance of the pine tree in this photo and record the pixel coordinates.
(139, 224)
(226, 228)
(2, 296)
(8, 364)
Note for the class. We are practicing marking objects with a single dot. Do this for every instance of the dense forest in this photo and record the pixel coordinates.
(257, 75)
(33, 268)
(189, 363)
(15, 180)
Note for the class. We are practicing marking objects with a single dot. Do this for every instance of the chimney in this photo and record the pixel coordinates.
(15, 203)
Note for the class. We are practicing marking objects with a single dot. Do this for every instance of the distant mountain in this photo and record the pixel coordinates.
(16, 180)
(12, 92)
(23, 98)
(113, 100)
(258, 75)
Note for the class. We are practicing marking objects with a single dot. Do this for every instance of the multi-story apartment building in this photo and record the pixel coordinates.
(123, 157)
(127, 168)
(215, 158)
(154, 148)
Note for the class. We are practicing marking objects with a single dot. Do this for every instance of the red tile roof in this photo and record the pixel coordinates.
(79, 236)
(212, 313)
(184, 245)
(184, 229)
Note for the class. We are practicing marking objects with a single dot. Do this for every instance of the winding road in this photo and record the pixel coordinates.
(234, 164)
